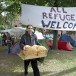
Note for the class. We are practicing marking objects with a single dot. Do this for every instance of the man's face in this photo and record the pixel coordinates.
(30, 29)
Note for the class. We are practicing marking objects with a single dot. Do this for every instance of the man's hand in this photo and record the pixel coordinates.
(25, 47)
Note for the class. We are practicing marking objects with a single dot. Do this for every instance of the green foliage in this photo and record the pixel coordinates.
(43, 42)
(67, 3)
(2, 27)
(71, 32)
(14, 6)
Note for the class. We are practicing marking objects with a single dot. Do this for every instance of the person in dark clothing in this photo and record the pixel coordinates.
(4, 39)
(29, 38)
(9, 42)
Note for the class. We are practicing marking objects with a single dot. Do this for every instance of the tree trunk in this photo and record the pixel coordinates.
(55, 32)
(55, 43)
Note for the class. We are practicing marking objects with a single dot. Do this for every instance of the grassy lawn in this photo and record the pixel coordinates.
(57, 63)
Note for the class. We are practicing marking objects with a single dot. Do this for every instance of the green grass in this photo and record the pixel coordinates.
(43, 42)
(57, 63)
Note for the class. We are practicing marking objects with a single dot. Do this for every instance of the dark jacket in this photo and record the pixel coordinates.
(4, 37)
(28, 40)
(9, 40)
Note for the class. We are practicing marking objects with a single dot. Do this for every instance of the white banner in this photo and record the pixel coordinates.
(55, 18)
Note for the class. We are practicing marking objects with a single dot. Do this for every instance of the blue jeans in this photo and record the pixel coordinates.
(1, 42)
(9, 47)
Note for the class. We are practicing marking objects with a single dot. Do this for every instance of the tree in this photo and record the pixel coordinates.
(14, 8)
(55, 32)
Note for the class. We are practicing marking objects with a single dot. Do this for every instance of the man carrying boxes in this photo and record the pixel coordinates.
(29, 38)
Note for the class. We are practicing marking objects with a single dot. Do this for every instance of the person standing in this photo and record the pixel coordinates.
(0, 39)
(4, 39)
(9, 42)
(29, 38)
